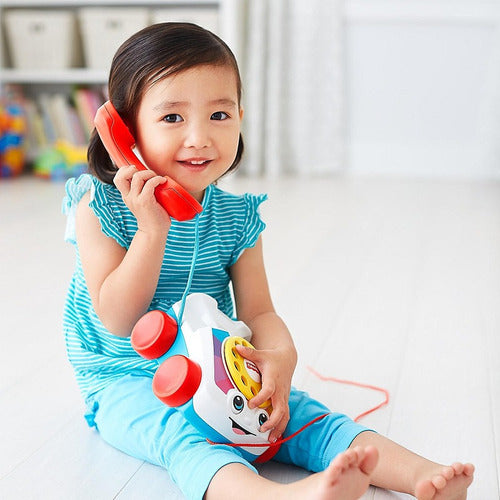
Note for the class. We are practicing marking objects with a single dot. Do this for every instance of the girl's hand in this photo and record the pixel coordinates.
(276, 372)
(137, 188)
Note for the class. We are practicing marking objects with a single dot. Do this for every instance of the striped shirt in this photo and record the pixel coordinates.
(227, 226)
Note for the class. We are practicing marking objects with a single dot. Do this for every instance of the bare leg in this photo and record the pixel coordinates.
(402, 470)
(346, 478)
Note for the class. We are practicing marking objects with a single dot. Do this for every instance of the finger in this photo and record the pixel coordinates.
(282, 418)
(123, 178)
(273, 425)
(139, 179)
(263, 395)
(279, 412)
(151, 184)
(248, 352)
(278, 431)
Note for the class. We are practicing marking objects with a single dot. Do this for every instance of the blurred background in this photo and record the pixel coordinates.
(398, 87)
(373, 125)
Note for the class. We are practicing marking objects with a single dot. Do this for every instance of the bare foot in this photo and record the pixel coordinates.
(348, 475)
(450, 483)
(346, 478)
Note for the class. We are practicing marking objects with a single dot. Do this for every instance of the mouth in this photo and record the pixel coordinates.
(237, 429)
(195, 164)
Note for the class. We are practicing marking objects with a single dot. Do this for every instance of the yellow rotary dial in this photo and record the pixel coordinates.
(245, 374)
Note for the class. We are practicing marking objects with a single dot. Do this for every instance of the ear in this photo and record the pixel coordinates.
(241, 113)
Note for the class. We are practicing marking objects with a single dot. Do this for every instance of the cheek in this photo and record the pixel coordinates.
(155, 149)
(231, 142)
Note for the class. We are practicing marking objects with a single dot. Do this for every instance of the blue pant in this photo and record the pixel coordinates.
(129, 417)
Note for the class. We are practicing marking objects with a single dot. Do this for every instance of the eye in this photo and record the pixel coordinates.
(238, 404)
(263, 418)
(219, 115)
(173, 118)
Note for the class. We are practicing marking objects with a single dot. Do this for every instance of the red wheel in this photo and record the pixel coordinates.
(176, 380)
(154, 334)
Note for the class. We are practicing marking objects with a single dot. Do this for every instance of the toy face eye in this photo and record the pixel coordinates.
(263, 418)
(238, 404)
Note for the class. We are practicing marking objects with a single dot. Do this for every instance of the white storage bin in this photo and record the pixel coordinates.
(207, 17)
(42, 39)
(105, 29)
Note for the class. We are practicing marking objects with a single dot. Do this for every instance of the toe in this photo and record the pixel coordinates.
(370, 461)
(439, 482)
(469, 469)
(360, 454)
(449, 472)
(351, 457)
(425, 490)
(341, 462)
(336, 467)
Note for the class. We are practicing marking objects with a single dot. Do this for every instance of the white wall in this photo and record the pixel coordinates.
(423, 87)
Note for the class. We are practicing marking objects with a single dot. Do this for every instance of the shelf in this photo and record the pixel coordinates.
(100, 3)
(69, 76)
(61, 103)
(83, 76)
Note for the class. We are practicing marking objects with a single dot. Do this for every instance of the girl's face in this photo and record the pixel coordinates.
(188, 126)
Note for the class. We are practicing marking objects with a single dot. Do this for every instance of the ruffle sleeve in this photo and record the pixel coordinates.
(111, 211)
(106, 203)
(74, 189)
(252, 227)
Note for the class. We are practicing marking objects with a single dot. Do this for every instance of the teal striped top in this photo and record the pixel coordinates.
(228, 224)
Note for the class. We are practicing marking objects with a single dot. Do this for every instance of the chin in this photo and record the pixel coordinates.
(192, 182)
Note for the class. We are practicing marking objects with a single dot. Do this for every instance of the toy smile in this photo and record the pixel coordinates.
(237, 429)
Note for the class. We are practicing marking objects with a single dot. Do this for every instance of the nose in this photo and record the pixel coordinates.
(197, 136)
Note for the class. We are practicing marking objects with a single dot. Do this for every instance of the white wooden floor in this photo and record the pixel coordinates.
(384, 281)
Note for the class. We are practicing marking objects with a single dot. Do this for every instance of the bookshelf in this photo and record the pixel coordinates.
(41, 86)
(72, 76)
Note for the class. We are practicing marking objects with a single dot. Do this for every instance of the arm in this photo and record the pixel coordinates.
(122, 282)
(275, 353)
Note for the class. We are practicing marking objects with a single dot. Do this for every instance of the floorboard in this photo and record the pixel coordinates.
(392, 282)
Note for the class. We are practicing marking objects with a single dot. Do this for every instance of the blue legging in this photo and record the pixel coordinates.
(129, 417)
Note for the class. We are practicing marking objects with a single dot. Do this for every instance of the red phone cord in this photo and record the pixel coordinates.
(356, 384)
(326, 379)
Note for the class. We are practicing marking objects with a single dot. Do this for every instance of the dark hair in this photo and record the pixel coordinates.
(154, 53)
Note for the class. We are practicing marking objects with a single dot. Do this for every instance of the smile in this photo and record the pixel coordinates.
(195, 163)
(237, 429)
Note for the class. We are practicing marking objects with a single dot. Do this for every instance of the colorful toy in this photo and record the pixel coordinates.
(61, 161)
(202, 374)
(12, 138)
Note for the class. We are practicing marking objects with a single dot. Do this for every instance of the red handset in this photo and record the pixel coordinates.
(119, 142)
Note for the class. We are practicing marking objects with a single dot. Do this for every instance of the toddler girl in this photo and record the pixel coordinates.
(178, 89)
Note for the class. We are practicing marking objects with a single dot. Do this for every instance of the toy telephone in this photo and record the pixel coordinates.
(202, 375)
(119, 143)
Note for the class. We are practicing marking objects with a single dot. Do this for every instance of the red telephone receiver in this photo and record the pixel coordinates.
(119, 142)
